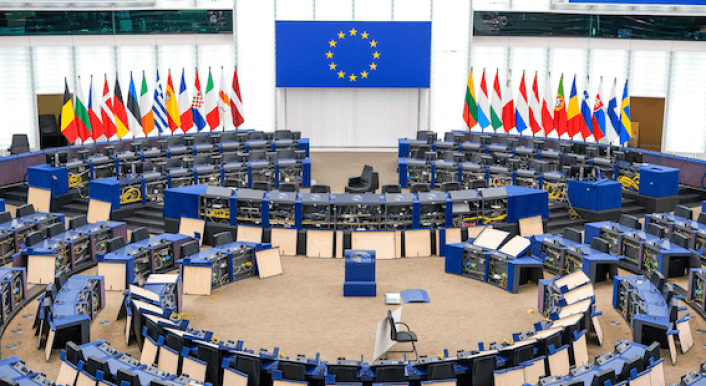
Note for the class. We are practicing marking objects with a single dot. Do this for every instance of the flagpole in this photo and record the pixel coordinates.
(482, 129)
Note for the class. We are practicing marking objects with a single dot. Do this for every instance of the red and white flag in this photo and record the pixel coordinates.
(509, 106)
(107, 114)
(535, 113)
(236, 102)
(548, 107)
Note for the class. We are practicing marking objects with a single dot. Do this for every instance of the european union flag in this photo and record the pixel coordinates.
(353, 54)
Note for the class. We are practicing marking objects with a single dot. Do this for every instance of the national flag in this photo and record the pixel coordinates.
(211, 103)
(146, 107)
(483, 106)
(572, 116)
(496, 104)
(508, 107)
(548, 106)
(133, 110)
(586, 124)
(107, 114)
(186, 116)
(560, 123)
(612, 124)
(197, 105)
(224, 104)
(470, 108)
(522, 111)
(121, 119)
(236, 102)
(83, 122)
(170, 102)
(625, 124)
(535, 111)
(599, 114)
(160, 112)
(94, 111)
(68, 119)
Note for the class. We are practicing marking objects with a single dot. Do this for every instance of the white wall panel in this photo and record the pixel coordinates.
(96, 61)
(334, 10)
(373, 10)
(649, 73)
(295, 10)
(686, 116)
(609, 64)
(17, 99)
(411, 10)
(346, 117)
(51, 65)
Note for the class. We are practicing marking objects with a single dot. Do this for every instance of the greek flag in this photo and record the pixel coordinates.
(160, 113)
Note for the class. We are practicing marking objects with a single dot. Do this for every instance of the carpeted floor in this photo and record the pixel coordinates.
(304, 311)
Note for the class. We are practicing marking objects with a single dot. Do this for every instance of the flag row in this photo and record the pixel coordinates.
(498, 109)
(168, 111)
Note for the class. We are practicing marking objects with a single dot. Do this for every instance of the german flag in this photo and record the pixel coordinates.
(121, 123)
(68, 118)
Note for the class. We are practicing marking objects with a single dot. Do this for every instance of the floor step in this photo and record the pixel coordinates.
(145, 222)
(151, 214)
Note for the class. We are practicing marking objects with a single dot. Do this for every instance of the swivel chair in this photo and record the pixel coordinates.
(366, 183)
(20, 144)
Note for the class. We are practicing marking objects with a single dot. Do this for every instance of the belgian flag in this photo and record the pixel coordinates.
(68, 118)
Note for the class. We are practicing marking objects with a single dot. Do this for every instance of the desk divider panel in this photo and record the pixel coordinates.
(686, 341)
(168, 360)
(85, 380)
(398, 244)
(580, 351)
(67, 374)
(509, 377)
(319, 243)
(249, 233)
(340, 248)
(285, 239)
(114, 274)
(197, 280)
(191, 227)
(657, 374)
(98, 211)
(531, 226)
(40, 199)
(40, 269)
(269, 263)
(597, 327)
(534, 371)
(234, 378)
(382, 242)
(559, 362)
(195, 369)
(417, 243)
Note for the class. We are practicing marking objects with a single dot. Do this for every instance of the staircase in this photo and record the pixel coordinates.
(149, 216)
(15, 195)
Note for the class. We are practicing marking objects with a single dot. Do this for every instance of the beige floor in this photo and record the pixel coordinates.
(304, 311)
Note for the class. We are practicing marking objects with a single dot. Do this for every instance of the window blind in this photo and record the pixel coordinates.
(649, 73)
(686, 116)
(17, 99)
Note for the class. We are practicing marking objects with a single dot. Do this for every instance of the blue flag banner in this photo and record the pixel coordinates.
(353, 54)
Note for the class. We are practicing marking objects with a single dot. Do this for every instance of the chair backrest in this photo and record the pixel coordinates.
(344, 373)
(389, 374)
(262, 185)
(449, 186)
(652, 352)
(24, 210)
(55, 229)
(320, 189)
(440, 371)
(292, 371)
(20, 144)
(601, 377)
(367, 173)
(482, 371)
(47, 124)
(5, 217)
(78, 222)
(256, 135)
(600, 244)
(633, 364)
(702, 218)
(139, 234)
(285, 153)
(630, 221)
(391, 189)
(393, 328)
(580, 349)
(250, 366)
(283, 134)
(125, 375)
(114, 244)
(680, 240)
(479, 184)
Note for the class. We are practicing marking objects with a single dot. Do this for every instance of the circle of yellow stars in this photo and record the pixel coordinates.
(341, 36)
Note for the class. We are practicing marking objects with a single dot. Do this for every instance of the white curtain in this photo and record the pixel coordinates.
(686, 116)
(17, 100)
(649, 73)
(51, 65)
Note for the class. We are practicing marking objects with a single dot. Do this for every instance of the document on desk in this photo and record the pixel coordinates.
(383, 338)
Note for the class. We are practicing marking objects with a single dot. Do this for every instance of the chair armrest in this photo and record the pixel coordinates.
(404, 324)
(355, 180)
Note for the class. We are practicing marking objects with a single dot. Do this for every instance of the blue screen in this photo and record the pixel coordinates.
(353, 54)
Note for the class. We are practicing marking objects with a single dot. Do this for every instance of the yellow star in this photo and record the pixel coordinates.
(373, 66)
(341, 74)
(341, 35)
(373, 44)
(329, 55)
(352, 78)
(332, 43)
(364, 74)
(332, 66)
(364, 35)
(376, 55)
(353, 31)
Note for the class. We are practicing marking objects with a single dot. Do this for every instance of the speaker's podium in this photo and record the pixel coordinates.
(360, 273)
